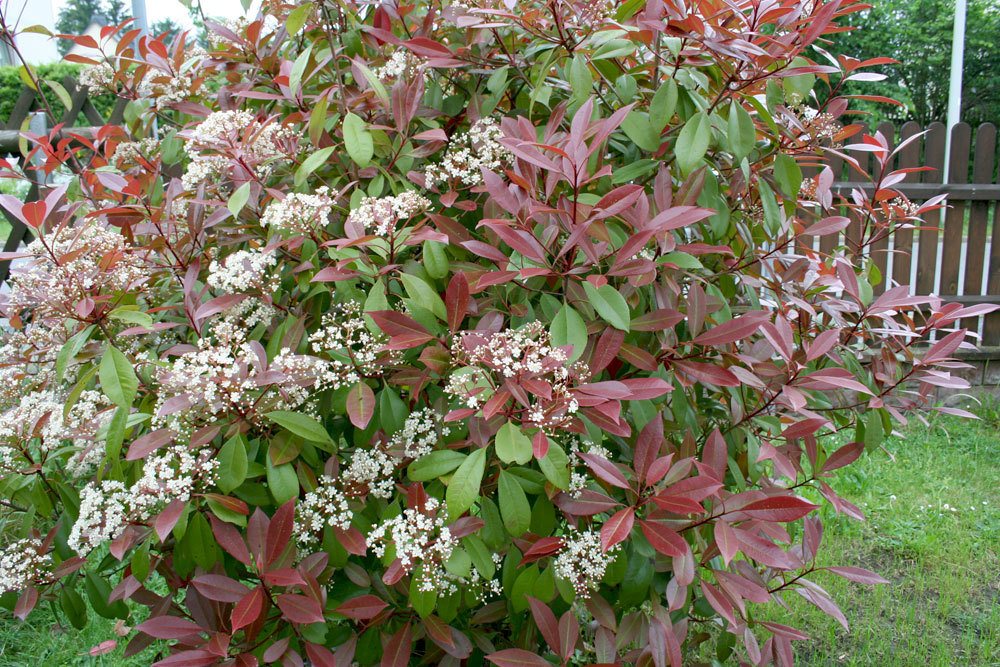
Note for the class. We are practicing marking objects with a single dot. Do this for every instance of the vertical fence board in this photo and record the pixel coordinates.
(979, 216)
(991, 323)
(880, 249)
(954, 219)
(928, 236)
(909, 156)
(852, 235)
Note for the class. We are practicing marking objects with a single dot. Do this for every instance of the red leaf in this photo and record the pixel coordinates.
(220, 588)
(352, 540)
(569, 634)
(285, 576)
(734, 330)
(664, 538)
(404, 332)
(248, 609)
(830, 225)
(642, 389)
(846, 455)
(725, 540)
(168, 518)
(779, 508)
(360, 405)
(230, 539)
(515, 657)
(647, 446)
(456, 300)
(616, 529)
(279, 532)
(546, 546)
(546, 622)
(397, 650)
(858, 575)
(707, 373)
(169, 627)
(715, 454)
(320, 656)
(149, 443)
(362, 608)
(26, 602)
(299, 608)
(605, 470)
(194, 658)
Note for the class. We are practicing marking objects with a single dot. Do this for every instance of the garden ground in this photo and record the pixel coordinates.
(933, 502)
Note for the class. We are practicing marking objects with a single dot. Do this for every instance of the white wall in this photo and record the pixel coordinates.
(36, 49)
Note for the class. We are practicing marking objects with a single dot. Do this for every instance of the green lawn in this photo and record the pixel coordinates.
(933, 505)
(933, 502)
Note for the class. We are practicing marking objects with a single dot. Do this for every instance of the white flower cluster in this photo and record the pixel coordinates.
(578, 480)
(228, 374)
(419, 434)
(299, 213)
(22, 563)
(163, 88)
(583, 562)
(401, 64)
(326, 506)
(106, 508)
(103, 514)
(525, 356)
(421, 540)
(380, 215)
(70, 264)
(469, 153)
(42, 415)
(128, 153)
(229, 135)
(101, 75)
(353, 349)
(370, 471)
(244, 271)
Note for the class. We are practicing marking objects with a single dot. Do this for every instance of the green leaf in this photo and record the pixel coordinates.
(463, 489)
(742, 132)
(118, 379)
(282, 482)
(358, 140)
(435, 259)
(116, 434)
(663, 105)
(297, 18)
(298, 69)
(638, 128)
(773, 218)
(311, 164)
(788, 175)
(238, 199)
(555, 466)
(301, 425)
(317, 117)
(98, 590)
(131, 315)
(232, 463)
(422, 601)
(692, 143)
(70, 349)
(514, 507)
(513, 445)
(568, 328)
(580, 78)
(424, 295)
(609, 304)
(434, 465)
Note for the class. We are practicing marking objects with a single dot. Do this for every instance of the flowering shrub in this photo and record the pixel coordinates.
(392, 334)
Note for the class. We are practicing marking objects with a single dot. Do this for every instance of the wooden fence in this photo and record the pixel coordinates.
(26, 114)
(956, 255)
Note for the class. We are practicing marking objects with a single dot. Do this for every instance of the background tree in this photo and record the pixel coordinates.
(918, 34)
(76, 15)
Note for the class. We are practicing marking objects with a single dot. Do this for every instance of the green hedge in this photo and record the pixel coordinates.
(11, 85)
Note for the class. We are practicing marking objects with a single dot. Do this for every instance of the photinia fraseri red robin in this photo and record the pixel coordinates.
(456, 332)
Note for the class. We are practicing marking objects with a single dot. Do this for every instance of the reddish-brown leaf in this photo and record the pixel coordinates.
(779, 508)
(361, 405)
(169, 627)
(546, 622)
(663, 538)
(279, 532)
(362, 608)
(397, 650)
(248, 609)
(220, 588)
(300, 608)
(515, 657)
(616, 529)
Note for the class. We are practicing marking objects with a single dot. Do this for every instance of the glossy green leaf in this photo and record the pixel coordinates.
(609, 304)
